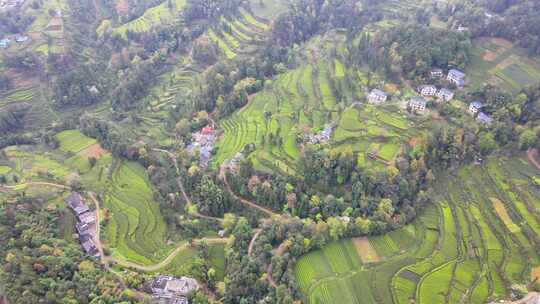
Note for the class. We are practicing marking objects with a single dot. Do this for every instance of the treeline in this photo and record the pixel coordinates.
(411, 51)
(516, 20)
(37, 265)
(15, 21)
(226, 85)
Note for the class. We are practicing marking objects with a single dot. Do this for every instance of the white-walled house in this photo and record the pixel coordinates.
(377, 96)
(445, 94)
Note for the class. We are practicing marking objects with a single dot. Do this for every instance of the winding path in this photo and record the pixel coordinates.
(532, 154)
(168, 259)
(246, 202)
(188, 200)
(64, 187)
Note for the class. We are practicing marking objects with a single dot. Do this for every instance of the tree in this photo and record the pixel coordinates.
(527, 139)
(487, 143)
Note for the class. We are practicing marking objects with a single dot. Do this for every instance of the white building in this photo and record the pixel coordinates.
(456, 77)
(445, 94)
(436, 72)
(417, 104)
(475, 107)
(377, 96)
(484, 118)
(427, 90)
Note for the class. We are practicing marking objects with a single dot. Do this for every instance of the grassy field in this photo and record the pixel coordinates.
(461, 249)
(74, 141)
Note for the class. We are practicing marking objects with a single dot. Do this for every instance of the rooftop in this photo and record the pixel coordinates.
(456, 73)
(477, 104)
(378, 92)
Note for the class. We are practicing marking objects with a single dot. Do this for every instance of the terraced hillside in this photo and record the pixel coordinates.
(238, 36)
(136, 228)
(161, 13)
(305, 101)
(477, 239)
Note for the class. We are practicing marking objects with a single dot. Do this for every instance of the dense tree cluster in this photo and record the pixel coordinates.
(412, 51)
(515, 20)
(209, 10)
(13, 21)
(38, 266)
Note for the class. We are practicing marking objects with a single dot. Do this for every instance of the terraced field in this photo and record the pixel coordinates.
(238, 36)
(136, 228)
(304, 101)
(459, 250)
(161, 13)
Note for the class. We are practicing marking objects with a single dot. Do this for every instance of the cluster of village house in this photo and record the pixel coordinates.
(171, 290)
(6, 42)
(418, 104)
(86, 223)
(204, 142)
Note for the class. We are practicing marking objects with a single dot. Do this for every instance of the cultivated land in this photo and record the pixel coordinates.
(498, 62)
(307, 99)
(469, 246)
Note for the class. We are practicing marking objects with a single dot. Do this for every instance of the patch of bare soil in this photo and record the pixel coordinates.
(364, 249)
(95, 151)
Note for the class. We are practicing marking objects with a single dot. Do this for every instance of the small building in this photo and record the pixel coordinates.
(445, 94)
(427, 90)
(21, 39)
(475, 107)
(4, 43)
(173, 290)
(483, 118)
(207, 130)
(88, 245)
(87, 218)
(436, 72)
(456, 77)
(417, 104)
(377, 96)
(76, 202)
(234, 163)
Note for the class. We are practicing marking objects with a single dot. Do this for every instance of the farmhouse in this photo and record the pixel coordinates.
(86, 221)
(21, 39)
(76, 202)
(427, 90)
(323, 136)
(456, 77)
(88, 245)
(436, 72)
(475, 107)
(204, 142)
(377, 96)
(484, 118)
(234, 163)
(417, 104)
(171, 290)
(445, 94)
